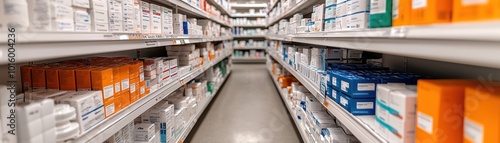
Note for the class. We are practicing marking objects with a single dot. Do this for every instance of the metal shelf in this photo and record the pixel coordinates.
(474, 43)
(255, 5)
(194, 119)
(250, 36)
(296, 9)
(192, 11)
(110, 126)
(250, 26)
(272, 6)
(53, 45)
(249, 15)
(250, 48)
(249, 60)
(299, 126)
(220, 7)
(360, 126)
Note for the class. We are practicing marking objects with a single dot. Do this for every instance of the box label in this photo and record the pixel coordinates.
(132, 88)
(108, 91)
(472, 2)
(125, 84)
(110, 109)
(366, 87)
(117, 87)
(344, 85)
(334, 81)
(343, 101)
(378, 6)
(418, 4)
(424, 122)
(334, 94)
(473, 131)
(364, 105)
(395, 9)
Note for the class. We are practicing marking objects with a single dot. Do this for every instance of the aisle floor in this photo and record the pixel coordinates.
(248, 109)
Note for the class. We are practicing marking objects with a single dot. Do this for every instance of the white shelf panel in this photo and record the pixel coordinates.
(360, 126)
(464, 43)
(272, 6)
(194, 119)
(220, 7)
(249, 60)
(249, 15)
(297, 8)
(251, 48)
(299, 126)
(256, 5)
(110, 126)
(250, 36)
(250, 26)
(53, 45)
(192, 11)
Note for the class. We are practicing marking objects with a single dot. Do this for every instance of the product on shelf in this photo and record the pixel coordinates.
(381, 13)
(401, 12)
(480, 116)
(431, 11)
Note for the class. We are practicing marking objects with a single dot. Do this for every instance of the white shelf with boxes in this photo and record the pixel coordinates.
(222, 5)
(250, 26)
(248, 5)
(360, 126)
(249, 15)
(197, 11)
(284, 12)
(272, 4)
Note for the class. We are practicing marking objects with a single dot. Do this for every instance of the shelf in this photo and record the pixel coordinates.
(220, 7)
(360, 126)
(255, 5)
(193, 120)
(250, 48)
(191, 11)
(110, 126)
(251, 26)
(272, 6)
(249, 60)
(250, 36)
(296, 9)
(55, 45)
(288, 105)
(474, 43)
(263, 15)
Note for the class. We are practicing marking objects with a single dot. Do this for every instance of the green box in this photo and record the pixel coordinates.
(380, 13)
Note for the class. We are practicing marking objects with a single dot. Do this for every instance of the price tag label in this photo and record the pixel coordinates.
(292, 39)
(151, 43)
(186, 41)
(123, 37)
(326, 104)
(177, 42)
(182, 82)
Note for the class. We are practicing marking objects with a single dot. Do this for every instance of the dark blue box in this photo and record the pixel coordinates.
(357, 106)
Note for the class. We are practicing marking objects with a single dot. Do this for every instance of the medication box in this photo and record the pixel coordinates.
(333, 94)
(431, 11)
(475, 10)
(380, 13)
(144, 131)
(402, 105)
(481, 121)
(357, 106)
(441, 99)
(401, 12)
(89, 108)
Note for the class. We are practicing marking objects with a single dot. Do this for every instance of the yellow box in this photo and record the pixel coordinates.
(440, 110)
(431, 11)
(402, 12)
(476, 10)
(102, 79)
(482, 117)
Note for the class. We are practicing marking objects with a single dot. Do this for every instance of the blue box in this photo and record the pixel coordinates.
(332, 94)
(357, 86)
(185, 26)
(357, 106)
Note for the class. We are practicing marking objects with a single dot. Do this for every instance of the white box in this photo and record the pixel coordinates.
(330, 24)
(357, 6)
(312, 104)
(49, 136)
(81, 16)
(178, 18)
(404, 103)
(145, 18)
(99, 16)
(144, 131)
(47, 114)
(89, 108)
(330, 12)
(340, 14)
(99, 5)
(156, 20)
(382, 98)
(62, 2)
(81, 3)
(58, 11)
(63, 25)
(29, 121)
(358, 21)
(318, 12)
(100, 27)
(330, 2)
(138, 16)
(40, 15)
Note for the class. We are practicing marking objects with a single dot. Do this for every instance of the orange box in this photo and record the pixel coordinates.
(142, 89)
(27, 84)
(403, 13)
(52, 76)
(476, 10)
(135, 68)
(117, 79)
(134, 90)
(110, 107)
(124, 101)
(440, 110)
(67, 79)
(83, 79)
(431, 11)
(482, 117)
(102, 79)
(124, 78)
(38, 77)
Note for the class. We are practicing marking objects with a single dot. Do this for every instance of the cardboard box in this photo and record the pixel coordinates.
(52, 77)
(431, 11)
(38, 77)
(144, 131)
(67, 79)
(134, 90)
(357, 106)
(89, 107)
(27, 84)
(441, 119)
(403, 115)
(380, 13)
(481, 121)
(475, 10)
(110, 107)
(83, 79)
(401, 12)
(102, 79)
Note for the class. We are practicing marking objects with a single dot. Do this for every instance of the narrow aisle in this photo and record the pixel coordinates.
(248, 109)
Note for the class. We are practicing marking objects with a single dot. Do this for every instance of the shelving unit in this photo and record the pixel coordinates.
(255, 5)
(192, 11)
(361, 126)
(275, 3)
(292, 112)
(220, 7)
(110, 126)
(250, 15)
(297, 8)
(192, 122)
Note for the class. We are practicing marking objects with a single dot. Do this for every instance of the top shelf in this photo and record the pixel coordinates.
(275, 3)
(223, 9)
(288, 13)
(263, 5)
(193, 11)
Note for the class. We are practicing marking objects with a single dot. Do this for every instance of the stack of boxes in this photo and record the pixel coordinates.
(99, 14)
(115, 15)
(162, 115)
(156, 18)
(179, 20)
(129, 16)
(188, 55)
(37, 122)
(317, 17)
(295, 23)
(62, 16)
(330, 10)
(81, 15)
(144, 133)
(145, 17)
(167, 21)
(358, 12)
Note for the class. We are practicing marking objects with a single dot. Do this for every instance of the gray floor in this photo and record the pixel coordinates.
(248, 109)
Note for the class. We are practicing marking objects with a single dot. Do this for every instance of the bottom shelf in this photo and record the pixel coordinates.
(194, 120)
(249, 60)
(300, 127)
